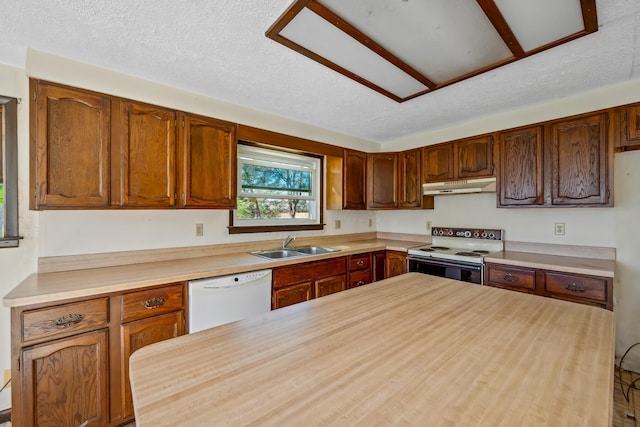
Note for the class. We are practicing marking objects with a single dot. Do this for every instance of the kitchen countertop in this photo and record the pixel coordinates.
(51, 287)
(413, 350)
(567, 264)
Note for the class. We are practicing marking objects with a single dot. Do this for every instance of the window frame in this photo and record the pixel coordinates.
(9, 118)
(234, 228)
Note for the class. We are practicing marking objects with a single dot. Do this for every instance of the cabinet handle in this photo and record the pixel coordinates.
(360, 283)
(154, 303)
(68, 320)
(574, 287)
(360, 262)
(510, 278)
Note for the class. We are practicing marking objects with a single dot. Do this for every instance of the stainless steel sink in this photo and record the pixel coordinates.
(314, 250)
(293, 252)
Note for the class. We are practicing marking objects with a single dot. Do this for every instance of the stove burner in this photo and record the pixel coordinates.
(427, 250)
(471, 254)
(480, 252)
(439, 248)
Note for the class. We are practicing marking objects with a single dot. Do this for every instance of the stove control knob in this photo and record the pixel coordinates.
(484, 234)
(450, 233)
(492, 236)
(467, 233)
(476, 234)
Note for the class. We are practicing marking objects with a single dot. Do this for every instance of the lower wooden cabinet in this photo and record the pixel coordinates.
(360, 270)
(65, 382)
(330, 285)
(293, 294)
(70, 360)
(580, 288)
(395, 263)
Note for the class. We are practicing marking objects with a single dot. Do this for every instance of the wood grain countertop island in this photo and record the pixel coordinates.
(413, 350)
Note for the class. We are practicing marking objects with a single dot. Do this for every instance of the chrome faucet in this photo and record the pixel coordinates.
(290, 238)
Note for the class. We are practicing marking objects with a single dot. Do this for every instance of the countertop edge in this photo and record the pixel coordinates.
(559, 263)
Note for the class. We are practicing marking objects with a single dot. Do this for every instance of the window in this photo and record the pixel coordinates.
(277, 191)
(8, 172)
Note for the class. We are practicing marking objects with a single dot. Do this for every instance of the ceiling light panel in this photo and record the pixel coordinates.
(542, 22)
(321, 37)
(443, 39)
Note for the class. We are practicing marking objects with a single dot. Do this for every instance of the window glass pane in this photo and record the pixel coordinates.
(274, 180)
(260, 208)
(2, 168)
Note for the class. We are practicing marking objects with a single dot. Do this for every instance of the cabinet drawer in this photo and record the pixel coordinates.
(359, 278)
(511, 277)
(360, 262)
(151, 302)
(65, 319)
(284, 276)
(576, 286)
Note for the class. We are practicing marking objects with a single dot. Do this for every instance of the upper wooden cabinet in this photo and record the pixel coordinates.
(146, 155)
(557, 164)
(409, 179)
(437, 163)
(207, 159)
(382, 180)
(630, 127)
(70, 144)
(467, 158)
(90, 150)
(521, 167)
(580, 169)
(354, 180)
(474, 157)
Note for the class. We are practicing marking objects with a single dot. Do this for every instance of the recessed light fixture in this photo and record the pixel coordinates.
(406, 49)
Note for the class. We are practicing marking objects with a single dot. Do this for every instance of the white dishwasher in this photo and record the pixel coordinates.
(215, 301)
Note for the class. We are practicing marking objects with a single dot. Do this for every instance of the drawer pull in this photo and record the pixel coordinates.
(360, 262)
(574, 287)
(68, 320)
(154, 303)
(510, 278)
(360, 283)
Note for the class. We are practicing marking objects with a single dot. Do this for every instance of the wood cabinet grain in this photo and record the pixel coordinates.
(521, 173)
(354, 180)
(70, 359)
(330, 285)
(360, 272)
(437, 163)
(66, 382)
(70, 145)
(207, 158)
(474, 157)
(293, 294)
(410, 179)
(580, 161)
(579, 288)
(382, 180)
(145, 174)
(631, 128)
(395, 263)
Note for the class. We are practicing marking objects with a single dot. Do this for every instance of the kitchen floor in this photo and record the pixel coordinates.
(626, 412)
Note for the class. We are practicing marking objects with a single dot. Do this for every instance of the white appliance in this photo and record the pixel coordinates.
(215, 301)
(456, 253)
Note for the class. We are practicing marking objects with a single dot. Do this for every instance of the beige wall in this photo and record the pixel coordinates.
(64, 232)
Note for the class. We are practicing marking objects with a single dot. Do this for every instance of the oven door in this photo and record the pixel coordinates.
(449, 269)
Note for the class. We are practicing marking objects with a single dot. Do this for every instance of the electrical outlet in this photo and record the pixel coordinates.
(370, 223)
(559, 228)
(199, 230)
(7, 376)
(428, 226)
(337, 224)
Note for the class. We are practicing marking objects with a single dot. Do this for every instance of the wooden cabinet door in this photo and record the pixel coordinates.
(579, 161)
(631, 125)
(147, 155)
(378, 268)
(208, 161)
(65, 382)
(70, 147)
(382, 184)
(437, 163)
(292, 294)
(141, 333)
(474, 157)
(521, 174)
(410, 179)
(354, 179)
(330, 285)
(395, 263)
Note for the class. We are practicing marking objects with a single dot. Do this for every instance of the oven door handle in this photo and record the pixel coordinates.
(445, 263)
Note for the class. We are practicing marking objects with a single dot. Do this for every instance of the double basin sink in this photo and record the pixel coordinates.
(293, 252)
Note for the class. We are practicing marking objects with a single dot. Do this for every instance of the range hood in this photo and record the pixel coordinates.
(479, 185)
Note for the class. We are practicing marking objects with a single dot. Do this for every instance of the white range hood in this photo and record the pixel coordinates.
(464, 186)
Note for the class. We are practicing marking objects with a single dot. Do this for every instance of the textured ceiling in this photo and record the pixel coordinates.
(218, 49)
